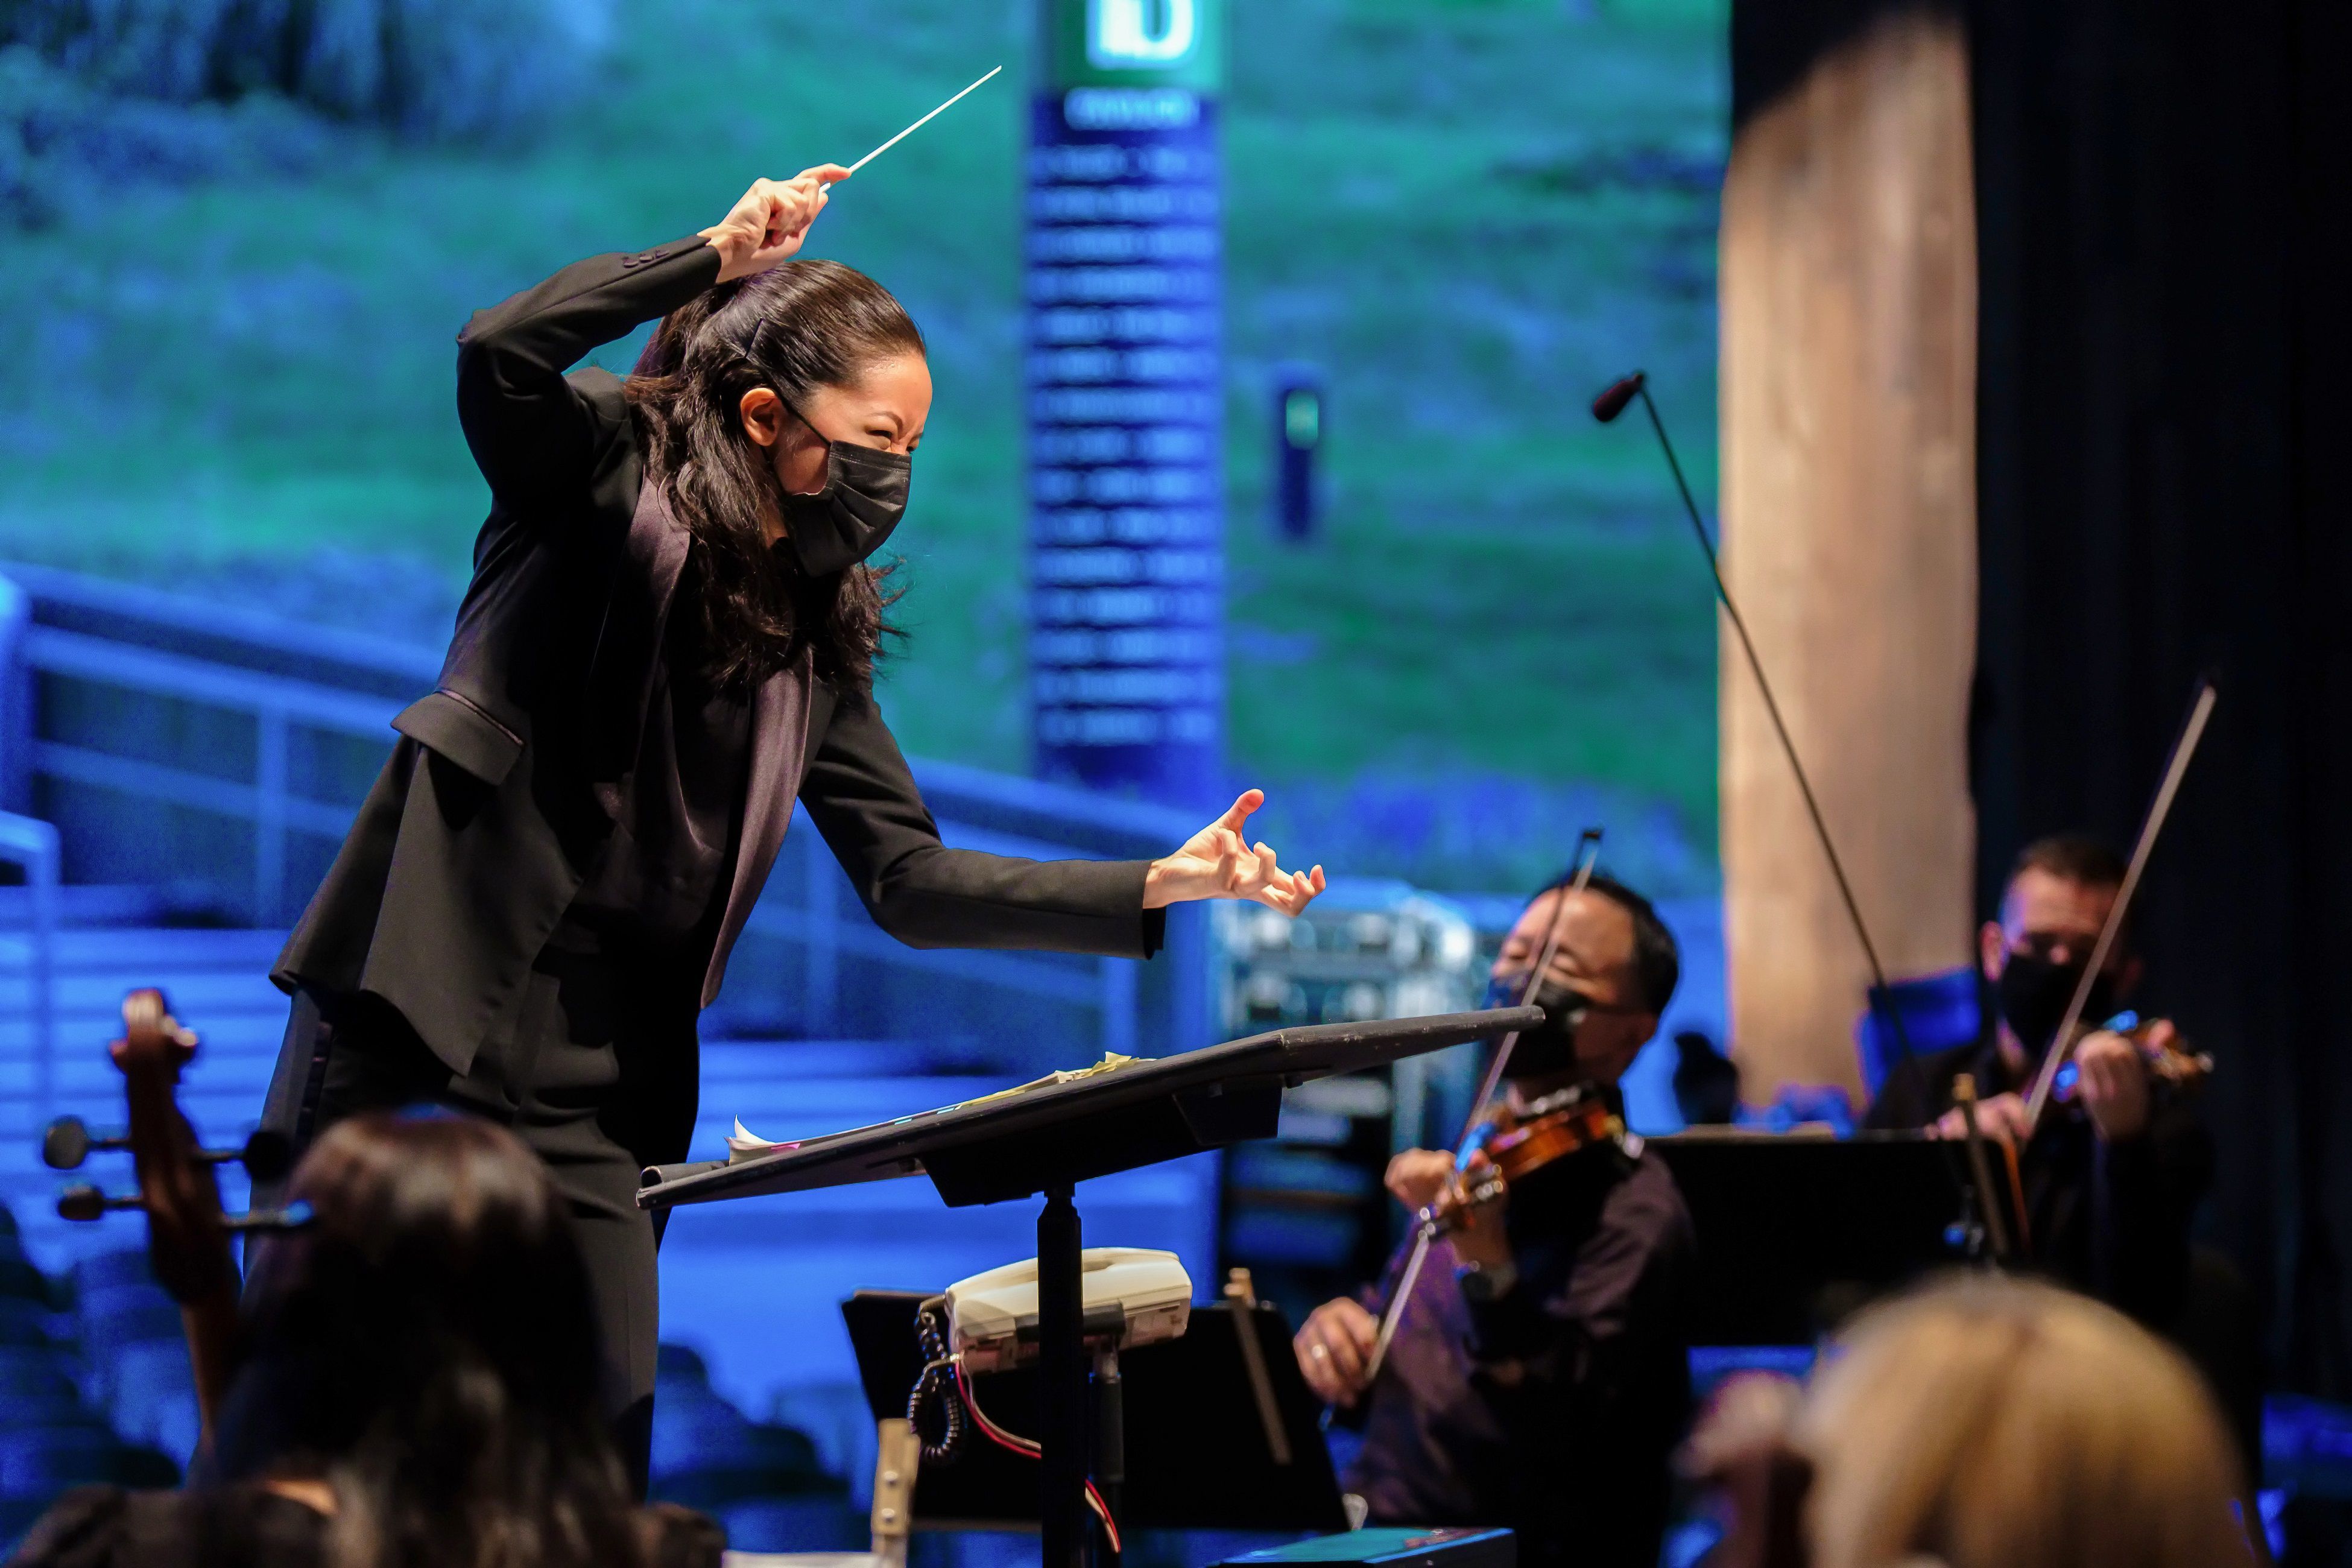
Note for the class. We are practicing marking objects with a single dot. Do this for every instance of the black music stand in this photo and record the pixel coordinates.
(1047, 1139)
(1796, 1231)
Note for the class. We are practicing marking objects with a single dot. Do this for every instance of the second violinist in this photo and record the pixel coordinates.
(1537, 1376)
(2112, 1184)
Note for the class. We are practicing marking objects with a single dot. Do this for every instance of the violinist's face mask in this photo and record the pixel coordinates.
(1551, 1046)
(865, 496)
(2033, 993)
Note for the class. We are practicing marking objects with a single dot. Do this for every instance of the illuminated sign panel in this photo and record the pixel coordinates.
(1125, 401)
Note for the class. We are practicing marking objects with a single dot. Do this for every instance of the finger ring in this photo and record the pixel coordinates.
(1320, 1352)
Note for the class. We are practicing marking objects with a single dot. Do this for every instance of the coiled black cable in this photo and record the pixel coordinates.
(937, 1379)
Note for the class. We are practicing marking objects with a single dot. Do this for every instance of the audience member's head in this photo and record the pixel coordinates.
(425, 1349)
(1989, 1423)
(1615, 970)
(2056, 900)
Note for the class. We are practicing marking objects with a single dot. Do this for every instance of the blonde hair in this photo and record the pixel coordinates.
(1991, 1424)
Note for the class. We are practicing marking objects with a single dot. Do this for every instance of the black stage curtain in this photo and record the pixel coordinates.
(2163, 241)
(2164, 193)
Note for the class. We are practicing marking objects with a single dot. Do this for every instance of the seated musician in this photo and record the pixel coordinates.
(1539, 1374)
(2111, 1181)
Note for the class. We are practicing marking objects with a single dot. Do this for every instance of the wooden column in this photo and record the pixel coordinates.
(1849, 507)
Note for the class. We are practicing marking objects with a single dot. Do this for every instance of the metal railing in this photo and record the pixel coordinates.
(277, 705)
(32, 844)
(286, 678)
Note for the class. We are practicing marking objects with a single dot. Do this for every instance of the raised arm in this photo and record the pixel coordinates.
(533, 435)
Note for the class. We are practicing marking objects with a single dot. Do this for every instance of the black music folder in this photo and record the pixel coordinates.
(1796, 1231)
(1201, 1454)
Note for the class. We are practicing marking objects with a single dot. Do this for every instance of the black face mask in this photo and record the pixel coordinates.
(865, 496)
(1551, 1046)
(2033, 993)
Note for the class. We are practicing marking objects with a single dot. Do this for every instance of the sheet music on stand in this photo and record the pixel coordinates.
(1052, 1135)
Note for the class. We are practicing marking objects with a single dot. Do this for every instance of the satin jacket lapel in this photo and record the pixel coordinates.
(629, 646)
(780, 731)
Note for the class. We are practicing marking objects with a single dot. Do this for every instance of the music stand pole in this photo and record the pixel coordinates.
(1061, 1382)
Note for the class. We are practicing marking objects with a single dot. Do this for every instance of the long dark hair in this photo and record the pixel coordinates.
(426, 1348)
(793, 328)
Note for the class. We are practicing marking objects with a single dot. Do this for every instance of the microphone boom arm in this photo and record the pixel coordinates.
(1605, 408)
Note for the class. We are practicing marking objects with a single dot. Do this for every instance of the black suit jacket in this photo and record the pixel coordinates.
(512, 776)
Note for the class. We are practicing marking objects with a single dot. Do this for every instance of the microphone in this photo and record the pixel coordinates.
(1605, 408)
(1612, 402)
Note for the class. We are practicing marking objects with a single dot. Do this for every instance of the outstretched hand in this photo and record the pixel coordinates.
(768, 224)
(1218, 862)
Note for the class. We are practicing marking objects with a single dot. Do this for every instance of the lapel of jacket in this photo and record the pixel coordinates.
(780, 736)
(628, 644)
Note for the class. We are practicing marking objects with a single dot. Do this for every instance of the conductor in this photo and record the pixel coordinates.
(669, 635)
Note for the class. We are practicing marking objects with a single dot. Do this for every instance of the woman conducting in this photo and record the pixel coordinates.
(670, 637)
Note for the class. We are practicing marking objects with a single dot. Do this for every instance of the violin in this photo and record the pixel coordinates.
(1519, 1142)
(1516, 1143)
(2169, 1060)
(187, 1235)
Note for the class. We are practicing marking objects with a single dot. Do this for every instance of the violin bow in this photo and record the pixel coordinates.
(2061, 1047)
(1588, 855)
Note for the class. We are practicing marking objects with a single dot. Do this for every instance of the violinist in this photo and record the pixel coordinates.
(1538, 1374)
(2112, 1180)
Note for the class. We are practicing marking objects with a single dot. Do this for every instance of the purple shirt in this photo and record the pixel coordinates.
(1556, 1408)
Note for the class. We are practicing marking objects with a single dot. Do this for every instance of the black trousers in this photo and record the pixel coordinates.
(559, 1082)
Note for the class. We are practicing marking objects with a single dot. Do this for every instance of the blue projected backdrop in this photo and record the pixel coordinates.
(1127, 556)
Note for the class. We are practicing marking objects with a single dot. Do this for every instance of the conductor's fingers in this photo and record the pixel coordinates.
(1230, 854)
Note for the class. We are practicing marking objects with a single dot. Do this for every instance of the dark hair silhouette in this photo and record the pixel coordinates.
(2075, 858)
(793, 328)
(426, 1348)
(2072, 858)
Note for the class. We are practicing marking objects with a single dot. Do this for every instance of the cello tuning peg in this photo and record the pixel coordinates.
(66, 1144)
(293, 1216)
(83, 1202)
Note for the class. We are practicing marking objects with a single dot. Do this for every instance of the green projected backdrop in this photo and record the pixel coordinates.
(225, 356)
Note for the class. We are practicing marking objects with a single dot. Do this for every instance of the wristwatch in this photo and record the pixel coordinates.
(1482, 1282)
